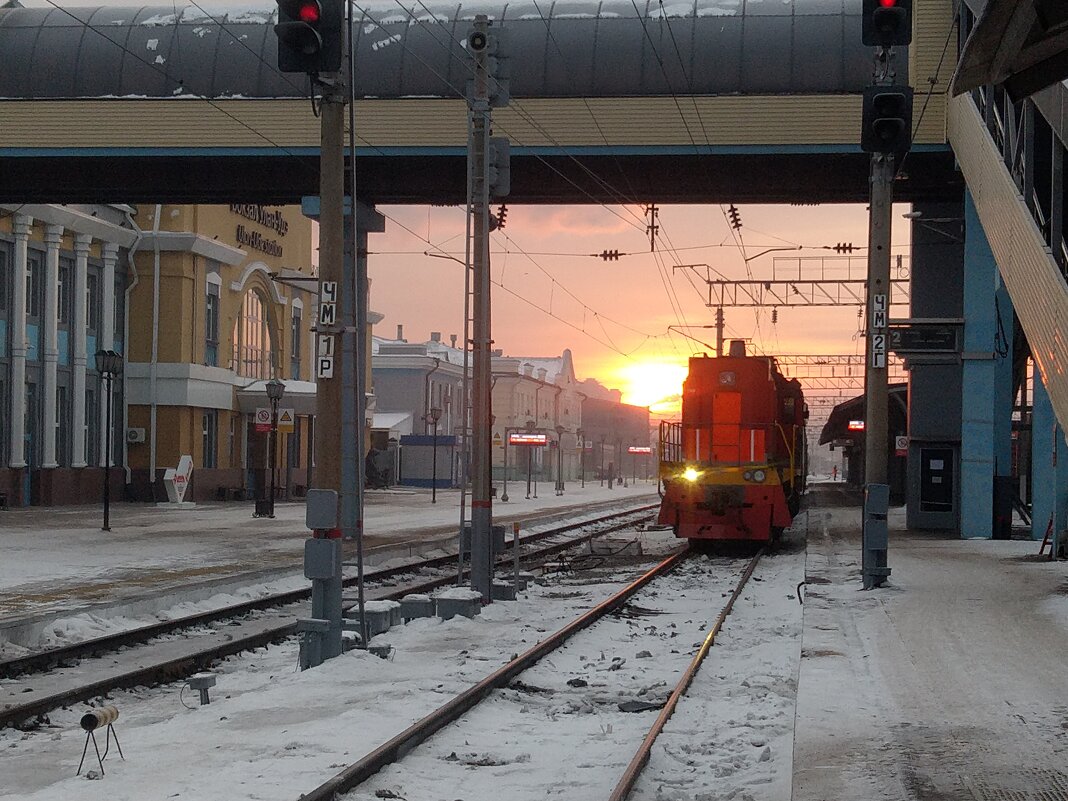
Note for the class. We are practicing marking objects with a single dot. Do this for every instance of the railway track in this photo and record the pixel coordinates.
(507, 677)
(58, 677)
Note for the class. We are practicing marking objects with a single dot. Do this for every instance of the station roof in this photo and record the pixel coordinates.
(575, 48)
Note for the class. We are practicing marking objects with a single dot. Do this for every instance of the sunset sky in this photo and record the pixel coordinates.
(614, 315)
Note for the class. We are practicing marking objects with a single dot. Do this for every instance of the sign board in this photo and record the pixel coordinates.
(324, 363)
(497, 441)
(901, 446)
(287, 420)
(587, 445)
(855, 425)
(878, 350)
(924, 339)
(263, 420)
(639, 449)
(176, 480)
(526, 438)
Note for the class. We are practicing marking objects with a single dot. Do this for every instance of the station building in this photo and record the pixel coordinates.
(222, 300)
(63, 296)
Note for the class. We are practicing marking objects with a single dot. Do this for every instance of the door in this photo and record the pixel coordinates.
(936, 479)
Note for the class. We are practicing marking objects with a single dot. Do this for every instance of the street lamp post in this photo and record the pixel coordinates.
(582, 456)
(560, 460)
(109, 365)
(602, 460)
(504, 491)
(275, 390)
(435, 415)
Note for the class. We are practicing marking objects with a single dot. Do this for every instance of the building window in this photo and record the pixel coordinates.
(66, 276)
(63, 443)
(252, 354)
(92, 302)
(294, 352)
(210, 432)
(92, 427)
(4, 444)
(33, 284)
(211, 326)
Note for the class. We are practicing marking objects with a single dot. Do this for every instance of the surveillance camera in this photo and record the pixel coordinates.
(477, 41)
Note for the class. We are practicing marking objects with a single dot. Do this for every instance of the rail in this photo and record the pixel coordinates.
(392, 750)
(630, 776)
(200, 657)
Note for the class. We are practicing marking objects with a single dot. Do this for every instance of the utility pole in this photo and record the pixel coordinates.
(488, 176)
(719, 330)
(886, 130)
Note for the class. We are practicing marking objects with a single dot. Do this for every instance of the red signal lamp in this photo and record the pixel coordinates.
(888, 3)
(309, 12)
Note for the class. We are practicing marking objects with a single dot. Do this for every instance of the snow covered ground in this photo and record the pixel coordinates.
(947, 684)
(58, 561)
(731, 736)
(271, 732)
(558, 730)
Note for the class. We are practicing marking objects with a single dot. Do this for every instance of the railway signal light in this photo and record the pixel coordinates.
(887, 119)
(887, 23)
(498, 166)
(311, 35)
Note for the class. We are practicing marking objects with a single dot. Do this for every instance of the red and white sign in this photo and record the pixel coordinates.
(525, 438)
(639, 449)
(901, 446)
(176, 480)
(855, 425)
(263, 420)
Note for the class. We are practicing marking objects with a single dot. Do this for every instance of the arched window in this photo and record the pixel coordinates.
(252, 339)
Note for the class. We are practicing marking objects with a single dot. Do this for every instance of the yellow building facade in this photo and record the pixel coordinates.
(222, 300)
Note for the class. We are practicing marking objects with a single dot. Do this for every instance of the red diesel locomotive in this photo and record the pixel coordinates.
(734, 468)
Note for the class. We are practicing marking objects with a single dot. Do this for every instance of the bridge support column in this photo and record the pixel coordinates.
(986, 412)
(1049, 469)
(937, 285)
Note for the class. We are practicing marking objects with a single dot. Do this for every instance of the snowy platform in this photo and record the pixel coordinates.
(946, 684)
(57, 561)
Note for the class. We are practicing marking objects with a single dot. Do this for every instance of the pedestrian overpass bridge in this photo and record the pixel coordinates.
(703, 101)
(706, 100)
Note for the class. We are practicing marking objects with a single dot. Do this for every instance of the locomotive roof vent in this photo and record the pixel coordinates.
(737, 350)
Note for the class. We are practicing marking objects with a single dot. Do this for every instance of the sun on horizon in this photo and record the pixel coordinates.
(656, 384)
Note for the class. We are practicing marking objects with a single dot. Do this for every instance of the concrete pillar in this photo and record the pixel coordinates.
(934, 420)
(979, 410)
(53, 235)
(21, 229)
(1049, 467)
(78, 323)
(106, 340)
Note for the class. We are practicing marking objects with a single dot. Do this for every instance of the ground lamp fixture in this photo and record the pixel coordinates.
(109, 364)
(275, 390)
(435, 415)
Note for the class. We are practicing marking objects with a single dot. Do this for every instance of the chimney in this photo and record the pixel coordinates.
(435, 336)
(400, 332)
(452, 340)
(737, 350)
(542, 372)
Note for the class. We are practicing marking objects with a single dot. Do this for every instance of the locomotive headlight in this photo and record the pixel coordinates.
(690, 474)
(759, 475)
(748, 475)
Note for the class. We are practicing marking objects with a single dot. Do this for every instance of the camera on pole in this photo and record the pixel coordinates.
(311, 35)
(887, 23)
(887, 119)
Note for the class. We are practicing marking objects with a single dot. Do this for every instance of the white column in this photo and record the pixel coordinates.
(78, 345)
(21, 230)
(53, 235)
(106, 341)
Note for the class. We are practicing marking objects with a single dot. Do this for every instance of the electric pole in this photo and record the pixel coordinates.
(487, 161)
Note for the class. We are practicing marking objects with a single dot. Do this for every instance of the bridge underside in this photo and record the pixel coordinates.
(400, 176)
